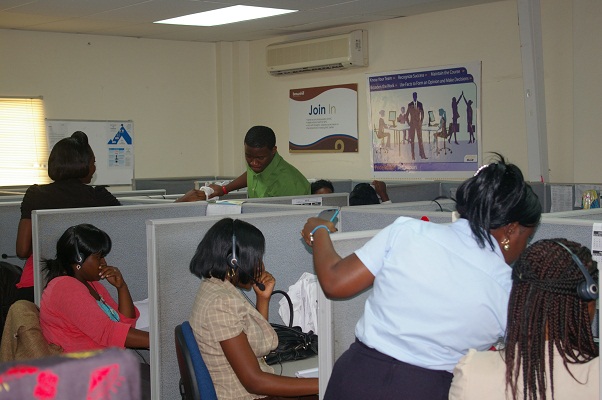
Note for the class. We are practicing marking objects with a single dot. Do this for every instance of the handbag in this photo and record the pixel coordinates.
(293, 343)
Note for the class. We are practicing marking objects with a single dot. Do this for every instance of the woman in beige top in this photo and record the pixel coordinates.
(233, 336)
(550, 351)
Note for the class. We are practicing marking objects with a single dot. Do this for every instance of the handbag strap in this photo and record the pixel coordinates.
(290, 305)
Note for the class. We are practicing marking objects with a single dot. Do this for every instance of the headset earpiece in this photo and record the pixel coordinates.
(232, 258)
(588, 289)
(78, 256)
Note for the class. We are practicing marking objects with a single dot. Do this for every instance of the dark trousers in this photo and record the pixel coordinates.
(417, 131)
(365, 373)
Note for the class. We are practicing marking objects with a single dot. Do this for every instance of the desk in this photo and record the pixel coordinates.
(290, 367)
(397, 129)
(429, 129)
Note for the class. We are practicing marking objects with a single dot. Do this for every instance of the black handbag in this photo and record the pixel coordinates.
(293, 343)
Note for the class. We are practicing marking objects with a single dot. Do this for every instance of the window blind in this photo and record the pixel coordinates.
(24, 141)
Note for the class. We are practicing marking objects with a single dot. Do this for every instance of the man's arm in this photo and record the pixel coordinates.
(238, 183)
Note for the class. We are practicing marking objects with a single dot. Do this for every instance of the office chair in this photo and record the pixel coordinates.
(195, 381)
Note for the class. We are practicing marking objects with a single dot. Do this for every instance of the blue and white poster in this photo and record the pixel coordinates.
(323, 119)
(111, 141)
(425, 123)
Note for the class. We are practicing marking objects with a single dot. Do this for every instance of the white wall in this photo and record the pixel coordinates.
(193, 102)
(167, 88)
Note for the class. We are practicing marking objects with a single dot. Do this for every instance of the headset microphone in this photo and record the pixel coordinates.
(234, 264)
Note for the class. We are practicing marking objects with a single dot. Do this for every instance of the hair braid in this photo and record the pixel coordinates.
(545, 315)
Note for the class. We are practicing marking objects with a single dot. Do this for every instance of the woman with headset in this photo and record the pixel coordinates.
(438, 289)
(76, 311)
(550, 351)
(233, 336)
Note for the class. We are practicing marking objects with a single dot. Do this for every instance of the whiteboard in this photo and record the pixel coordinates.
(111, 141)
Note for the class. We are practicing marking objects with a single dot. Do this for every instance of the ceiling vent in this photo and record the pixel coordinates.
(325, 53)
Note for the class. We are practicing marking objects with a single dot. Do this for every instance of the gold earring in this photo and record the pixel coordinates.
(506, 244)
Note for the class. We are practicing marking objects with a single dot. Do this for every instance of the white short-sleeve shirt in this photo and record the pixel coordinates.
(436, 293)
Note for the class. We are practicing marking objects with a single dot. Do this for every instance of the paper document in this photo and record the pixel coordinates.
(224, 207)
(143, 321)
(307, 373)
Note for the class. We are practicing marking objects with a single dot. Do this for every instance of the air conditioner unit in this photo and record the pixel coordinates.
(332, 52)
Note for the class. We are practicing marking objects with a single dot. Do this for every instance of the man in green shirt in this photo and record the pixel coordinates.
(268, 174)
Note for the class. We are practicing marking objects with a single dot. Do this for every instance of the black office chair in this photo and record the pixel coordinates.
(195, 381)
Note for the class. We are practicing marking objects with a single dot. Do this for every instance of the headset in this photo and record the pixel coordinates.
(78, 257)
(588, 289)
(233, 261)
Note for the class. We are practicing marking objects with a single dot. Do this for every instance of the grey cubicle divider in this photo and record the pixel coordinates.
(592, 214)
(10, 214)
(360, 218)
(132, 193)
(11, 198)
(336, 334)
(172, 288)
(126, 201)
(445, 205)
(331, 199)
(402, 191)
(126, 227)
(341, 185)
(174, 185)
(577, 230)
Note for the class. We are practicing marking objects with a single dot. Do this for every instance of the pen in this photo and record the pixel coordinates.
(336, 212)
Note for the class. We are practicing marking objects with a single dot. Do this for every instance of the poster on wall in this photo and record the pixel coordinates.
(323, 119)
(111, 141)
(425, 123)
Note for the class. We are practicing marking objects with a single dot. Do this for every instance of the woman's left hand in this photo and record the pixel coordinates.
(112, 275)
(269, 282)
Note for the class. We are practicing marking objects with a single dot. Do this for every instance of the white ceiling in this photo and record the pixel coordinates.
(133, 18)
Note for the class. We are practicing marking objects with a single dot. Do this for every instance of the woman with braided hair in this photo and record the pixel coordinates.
(550, 351)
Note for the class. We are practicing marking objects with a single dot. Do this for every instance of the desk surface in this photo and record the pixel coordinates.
(290, 367)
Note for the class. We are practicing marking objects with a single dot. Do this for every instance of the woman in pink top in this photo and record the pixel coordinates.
(76, 311)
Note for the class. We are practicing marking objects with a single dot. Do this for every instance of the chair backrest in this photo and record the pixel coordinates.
(195, 378)
(22, 338)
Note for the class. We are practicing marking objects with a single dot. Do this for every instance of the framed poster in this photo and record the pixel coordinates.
(425, 123)
(111, 141)
(323, 119)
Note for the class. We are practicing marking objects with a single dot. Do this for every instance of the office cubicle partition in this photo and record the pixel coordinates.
(172, 288)
(336, 333)
(171, 185)
(361, 218)
(592, 214)
(442, 205)
(331, 199)
(11, 198)
(403, 191)
(126, 227)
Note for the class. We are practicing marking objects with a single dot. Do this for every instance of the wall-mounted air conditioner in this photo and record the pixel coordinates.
(332, 52)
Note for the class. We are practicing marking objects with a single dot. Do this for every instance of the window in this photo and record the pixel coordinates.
(24, 142)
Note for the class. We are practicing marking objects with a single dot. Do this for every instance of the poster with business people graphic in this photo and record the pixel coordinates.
(425, 123)
(323, 119)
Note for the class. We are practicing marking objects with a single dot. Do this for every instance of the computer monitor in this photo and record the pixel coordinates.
(392, 117)
(432, 118)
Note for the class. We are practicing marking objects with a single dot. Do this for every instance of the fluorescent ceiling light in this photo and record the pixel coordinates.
(225, 15)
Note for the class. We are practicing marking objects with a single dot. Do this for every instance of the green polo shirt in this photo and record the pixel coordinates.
(279, 178)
